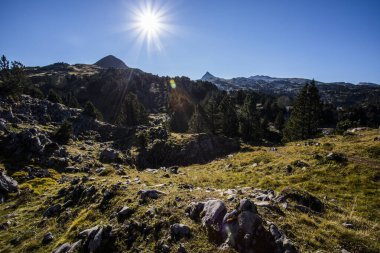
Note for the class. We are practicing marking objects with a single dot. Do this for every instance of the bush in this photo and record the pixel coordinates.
(91, 111)
(54, 97)
(64, 133)
(343, 126)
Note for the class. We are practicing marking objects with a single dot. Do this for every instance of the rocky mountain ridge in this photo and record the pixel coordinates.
(337, 93)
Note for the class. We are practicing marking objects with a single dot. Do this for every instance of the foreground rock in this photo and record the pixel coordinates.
(241, 229)
(7, 185)
(95, 239)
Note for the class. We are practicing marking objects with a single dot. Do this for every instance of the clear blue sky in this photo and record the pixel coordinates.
(329, 40)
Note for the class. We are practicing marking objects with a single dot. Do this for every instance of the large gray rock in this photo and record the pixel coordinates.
(7, 184)
(214, 211)
(95, 238)
(241, 229)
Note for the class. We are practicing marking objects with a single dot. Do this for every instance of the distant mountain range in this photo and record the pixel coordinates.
(339, 93)
(255, 82)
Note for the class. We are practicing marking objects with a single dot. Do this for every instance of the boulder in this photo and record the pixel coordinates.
(179, 231)
(7, 184)
(194, 210)
(96, 238)
(214, 211)
(109, 155)
(241, 229)
(302, 198)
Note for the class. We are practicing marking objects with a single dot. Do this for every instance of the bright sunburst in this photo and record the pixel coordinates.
(150, 22)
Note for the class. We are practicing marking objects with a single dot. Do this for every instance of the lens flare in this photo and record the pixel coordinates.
(172, 84)
(150, 24)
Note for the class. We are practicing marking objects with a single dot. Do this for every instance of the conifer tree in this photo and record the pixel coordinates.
(213, 113)
(91, 111)
(132, 113)
(249, 126)
(198, 122)
(304, 119)
(229, 119)
(54, 97)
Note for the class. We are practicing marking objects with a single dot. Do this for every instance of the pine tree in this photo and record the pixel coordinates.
(304, 119)
(279, 121)
(91, 111)
(132, 113)
(229, 119)
(249, 126)
(12, 78)
(213, 113)
(64, 133)
(198, 122)
(54, 97)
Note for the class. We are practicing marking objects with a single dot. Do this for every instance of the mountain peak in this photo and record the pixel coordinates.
(111, 61)
(207, 76)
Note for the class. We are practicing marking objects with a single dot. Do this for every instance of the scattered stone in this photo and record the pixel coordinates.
(179, 231)
(174, 169)
(109, 155)
(47, 238)
(289, 169)
(348, 225)
(53, 210)
(124, 213)
(300, 164)
(336, 157)
(149, 194)
(71, 169)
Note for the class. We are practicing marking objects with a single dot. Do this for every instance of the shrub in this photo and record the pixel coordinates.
(64, 133)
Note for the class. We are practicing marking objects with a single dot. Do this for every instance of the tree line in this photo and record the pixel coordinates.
(199, 107)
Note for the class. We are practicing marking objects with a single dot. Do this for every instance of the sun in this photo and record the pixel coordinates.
(150, 23)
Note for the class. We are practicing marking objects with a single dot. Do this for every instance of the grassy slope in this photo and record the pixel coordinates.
(351, 193)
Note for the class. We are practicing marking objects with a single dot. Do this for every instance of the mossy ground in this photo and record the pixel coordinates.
(350, 192)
